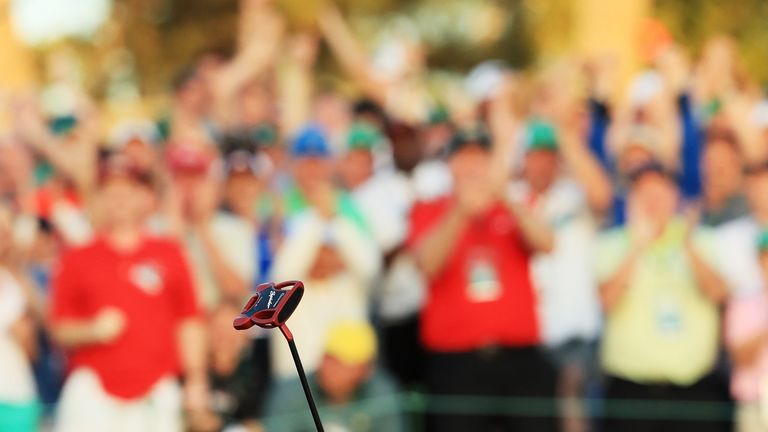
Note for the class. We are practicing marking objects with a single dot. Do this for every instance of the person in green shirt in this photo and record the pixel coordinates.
(660, 291)
(351, 393)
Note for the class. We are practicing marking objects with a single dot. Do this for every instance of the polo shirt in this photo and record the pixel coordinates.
(483, 294)
(151, 285)
(663, 330)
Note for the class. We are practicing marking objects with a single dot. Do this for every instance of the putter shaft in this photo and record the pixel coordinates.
(303, 377)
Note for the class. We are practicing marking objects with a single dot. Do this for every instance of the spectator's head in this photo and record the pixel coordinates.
(437, 133)
(356, 166)
(190, 91)
(653, 192)
(757, 189)
(256, 102)
(190, 168)
(245, 173)
(125, 194)
(368, 111)
(469, 155)
(350, 352)
(312, 163)
(639, 145)
(541, 157)
(137, 141)
(209, 61)
(721, 165)
(331, 111)
(406, 151)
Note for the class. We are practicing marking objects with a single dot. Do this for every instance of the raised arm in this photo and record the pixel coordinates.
(586, 169)
(75, 159)
(298, 82)
(255, 55)
(350, 54)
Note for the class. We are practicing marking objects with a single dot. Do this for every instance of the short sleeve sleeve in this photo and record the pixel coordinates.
(610, 251)
(66, 299)
(422, 218)
(183, 291)
(705, 243)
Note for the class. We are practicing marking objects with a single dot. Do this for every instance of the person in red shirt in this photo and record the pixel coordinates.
(125, 311)
(479, 323)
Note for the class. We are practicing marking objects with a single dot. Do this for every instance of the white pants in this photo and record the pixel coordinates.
(86, 407)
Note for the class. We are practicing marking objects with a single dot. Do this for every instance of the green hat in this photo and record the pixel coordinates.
(762, 240)
(62, 125)
(439, 115)
(265, 134)
(362, 136)
(541, 135)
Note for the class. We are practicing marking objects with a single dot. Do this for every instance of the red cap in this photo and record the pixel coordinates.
(182, 159)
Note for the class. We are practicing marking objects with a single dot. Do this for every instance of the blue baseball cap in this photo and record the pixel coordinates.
(310, 142)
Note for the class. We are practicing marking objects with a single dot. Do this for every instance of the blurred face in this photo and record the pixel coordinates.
(470, 164)
(241, 192)
(123, 201)
(340, 380)
(721, 166)
(194, 96)
(633, 157)
(356, 167)
(309, 172)
(757, 193)
(435, 137)
(187, 186)
(406, 149)
(331, 111)
(256, 104)
(655, 197)
(140, 154)
(541, 169)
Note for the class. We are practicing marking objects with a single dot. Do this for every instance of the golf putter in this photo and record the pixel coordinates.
(271, 307)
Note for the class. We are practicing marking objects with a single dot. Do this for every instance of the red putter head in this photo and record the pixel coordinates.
(271, 306)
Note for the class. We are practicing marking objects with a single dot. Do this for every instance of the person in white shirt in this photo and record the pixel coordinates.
(565, 196)
(740, 264)
(19, 408)
(327, 244)
(385, 198)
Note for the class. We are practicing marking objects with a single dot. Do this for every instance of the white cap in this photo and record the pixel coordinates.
(127, 130)
(484, 79)
(644, 88)
(641, 136)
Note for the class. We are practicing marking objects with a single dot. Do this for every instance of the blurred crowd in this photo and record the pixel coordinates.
(532, 250)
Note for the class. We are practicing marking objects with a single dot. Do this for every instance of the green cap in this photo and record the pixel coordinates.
(541, 135)
(265, 134)
(438, 115)
(362, 136)
(762, 240)
(62, 125)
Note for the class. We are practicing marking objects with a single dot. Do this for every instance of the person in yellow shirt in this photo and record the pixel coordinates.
(660, 291)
